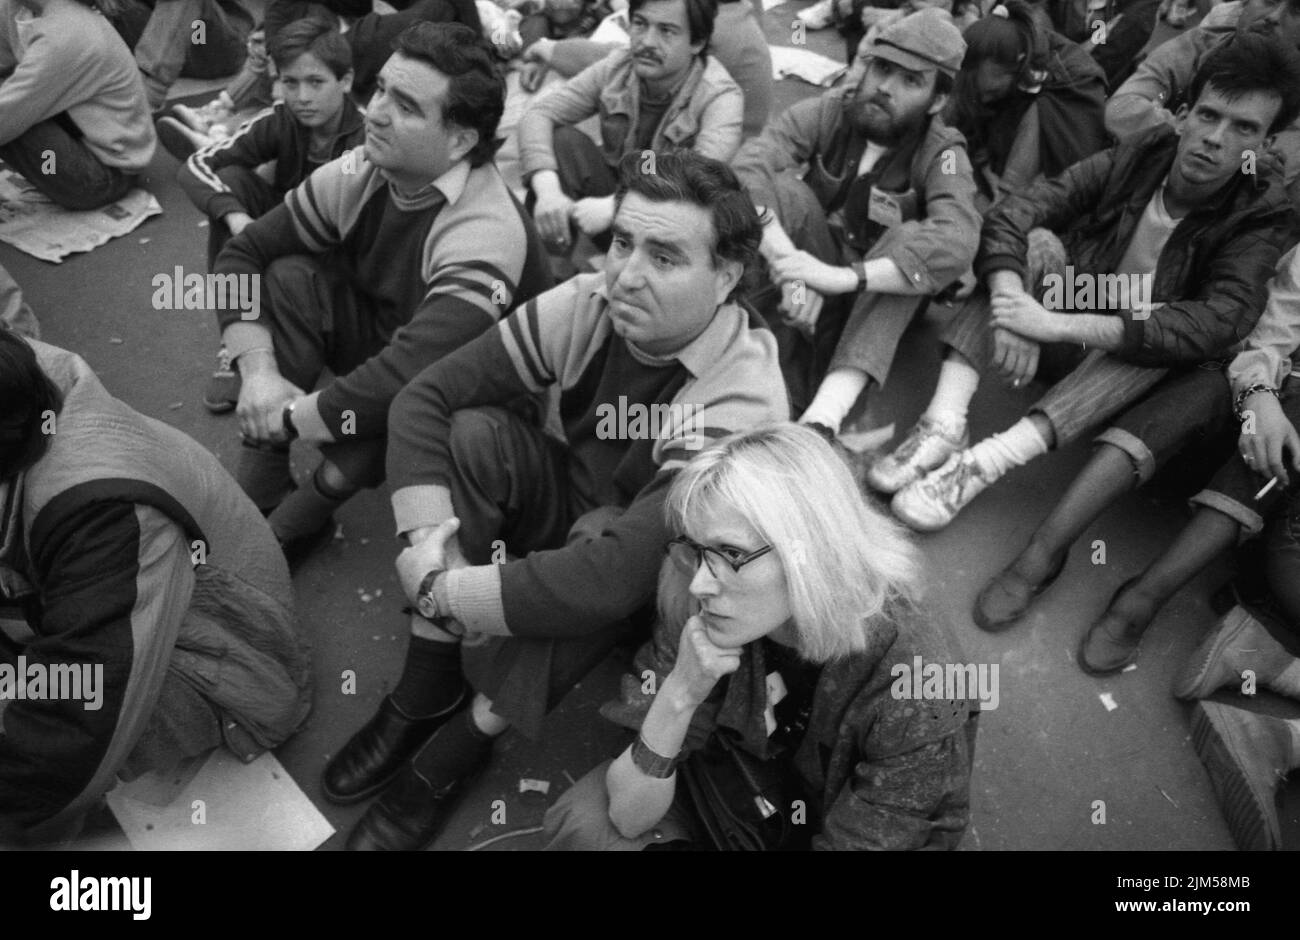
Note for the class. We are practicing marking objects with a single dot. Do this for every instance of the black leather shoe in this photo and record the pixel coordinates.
(374, 755)
(407, 817)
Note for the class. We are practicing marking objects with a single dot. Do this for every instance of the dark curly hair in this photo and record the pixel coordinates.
(1251, 63)
(29, 396)
(685, 176)
(476, 96)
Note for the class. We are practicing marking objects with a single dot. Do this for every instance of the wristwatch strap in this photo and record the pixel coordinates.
(650, 763)
(286, 418)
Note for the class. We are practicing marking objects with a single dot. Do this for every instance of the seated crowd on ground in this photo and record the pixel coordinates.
(1115, 224)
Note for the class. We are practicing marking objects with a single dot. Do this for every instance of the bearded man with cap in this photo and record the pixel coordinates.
(884, 218)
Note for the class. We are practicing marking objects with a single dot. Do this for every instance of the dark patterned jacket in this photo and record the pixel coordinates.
(881, 772)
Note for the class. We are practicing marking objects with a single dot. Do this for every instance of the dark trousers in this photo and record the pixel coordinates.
(1282, 564)
(52, 157)
(858, 331)
(510, 482)
(316, 324)
(161, 33)
(255, 194)
(1190, 416)
(583, 173)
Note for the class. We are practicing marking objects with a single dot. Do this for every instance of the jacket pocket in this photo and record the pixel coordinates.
(825, 185)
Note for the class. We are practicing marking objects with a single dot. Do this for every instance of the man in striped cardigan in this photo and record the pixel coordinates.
(381, 263)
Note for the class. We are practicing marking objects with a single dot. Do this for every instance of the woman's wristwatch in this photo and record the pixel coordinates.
(860, 269)
(650, 762)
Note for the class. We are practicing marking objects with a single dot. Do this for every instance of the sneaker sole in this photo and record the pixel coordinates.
(918, 525)
(174, 140)
(1247, 812)
(1192, 684)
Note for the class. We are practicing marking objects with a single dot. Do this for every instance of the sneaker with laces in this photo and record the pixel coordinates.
(928, 445)
(222, 391)
(933, 501)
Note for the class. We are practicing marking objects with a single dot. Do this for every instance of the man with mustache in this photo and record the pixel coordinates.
(1154, 93)
(379, 263)
(1152, 256)
(884, 217)
(663, 92)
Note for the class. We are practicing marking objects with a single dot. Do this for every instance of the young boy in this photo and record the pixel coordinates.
(315, 123)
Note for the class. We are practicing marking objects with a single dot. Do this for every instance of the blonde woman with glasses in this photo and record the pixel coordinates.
(769, 705)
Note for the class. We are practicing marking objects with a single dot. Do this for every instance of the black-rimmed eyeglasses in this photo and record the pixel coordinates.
(687, 554)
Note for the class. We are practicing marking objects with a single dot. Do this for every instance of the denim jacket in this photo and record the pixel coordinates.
(929, 174)
(705, 115)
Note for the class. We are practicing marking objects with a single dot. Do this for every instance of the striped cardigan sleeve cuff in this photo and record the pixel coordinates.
(475, 599)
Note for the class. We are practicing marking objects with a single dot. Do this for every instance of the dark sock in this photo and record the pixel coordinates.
(431, 679)
(455, 750)
(263, 473)
(305, 510)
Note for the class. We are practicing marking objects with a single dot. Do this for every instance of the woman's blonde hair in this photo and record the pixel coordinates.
(844, 560)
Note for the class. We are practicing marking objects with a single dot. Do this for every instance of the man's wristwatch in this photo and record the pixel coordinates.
(286, 418)
(427, 605)
(860, 269)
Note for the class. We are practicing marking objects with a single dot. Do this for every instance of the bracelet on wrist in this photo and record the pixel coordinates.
(651, 763)
(1239, 406)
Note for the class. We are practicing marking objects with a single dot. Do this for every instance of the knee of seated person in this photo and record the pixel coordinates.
(473, 436)
(289, 270)
(334, 479)
(795, 204)
(579, 820)
(590, 524)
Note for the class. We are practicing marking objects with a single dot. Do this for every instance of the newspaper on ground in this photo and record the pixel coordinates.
(32, 223)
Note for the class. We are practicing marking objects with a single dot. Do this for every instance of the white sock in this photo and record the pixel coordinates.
(1014, 447)
(958, 381)
(835, 398)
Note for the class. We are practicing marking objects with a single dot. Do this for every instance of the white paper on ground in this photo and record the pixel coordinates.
(255, 806)
(36, 225)
(812, 67)
(817, 16)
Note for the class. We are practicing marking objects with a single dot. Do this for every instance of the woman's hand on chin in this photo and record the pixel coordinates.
(700, 663)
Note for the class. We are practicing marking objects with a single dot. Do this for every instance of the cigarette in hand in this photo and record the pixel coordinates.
(1266, 487)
